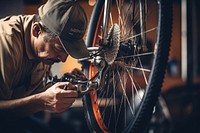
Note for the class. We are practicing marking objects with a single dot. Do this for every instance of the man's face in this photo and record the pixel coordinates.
(49, 51)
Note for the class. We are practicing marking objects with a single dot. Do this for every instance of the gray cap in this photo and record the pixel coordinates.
(68, 20)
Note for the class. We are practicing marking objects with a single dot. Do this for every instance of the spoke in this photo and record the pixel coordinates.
(131, 31)
(128, 38)
(125, 108)
(139, 88)
(111, 19)
(103, 113)
(124, 92)
(109, 119)
(100, 101)
(129, 56)
(120, 108)
(114, 95)
(133, 22)
(114, 106)
(127, 12)
(121, 22)
(137, 68)
(134, 88)
(108, 102)
(125, 111)
(145, 78)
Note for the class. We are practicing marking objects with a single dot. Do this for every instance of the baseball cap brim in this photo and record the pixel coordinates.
(76, 48)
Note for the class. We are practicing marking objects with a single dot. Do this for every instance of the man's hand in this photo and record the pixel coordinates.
(61, 95)
(57, 99)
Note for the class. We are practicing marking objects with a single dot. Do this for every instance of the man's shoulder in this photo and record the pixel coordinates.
(12, 35)
(17, 18)
(9, 23)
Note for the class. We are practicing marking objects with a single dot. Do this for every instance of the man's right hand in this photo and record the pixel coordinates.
(57, 99)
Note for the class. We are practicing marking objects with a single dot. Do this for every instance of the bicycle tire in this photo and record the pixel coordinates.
(144, 109)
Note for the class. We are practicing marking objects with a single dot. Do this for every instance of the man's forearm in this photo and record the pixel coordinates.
(17, 108)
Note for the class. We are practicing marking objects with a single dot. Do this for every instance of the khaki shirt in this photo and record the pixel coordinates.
(20, 72)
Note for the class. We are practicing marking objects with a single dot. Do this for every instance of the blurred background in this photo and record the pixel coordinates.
(178, 106)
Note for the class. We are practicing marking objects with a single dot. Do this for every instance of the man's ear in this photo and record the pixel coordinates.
(36, 29)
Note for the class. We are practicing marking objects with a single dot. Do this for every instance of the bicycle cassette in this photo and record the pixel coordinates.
(111, 49)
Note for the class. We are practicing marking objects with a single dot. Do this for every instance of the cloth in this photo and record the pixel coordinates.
(20, 72)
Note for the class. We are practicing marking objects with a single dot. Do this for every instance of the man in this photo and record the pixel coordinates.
(29, 45)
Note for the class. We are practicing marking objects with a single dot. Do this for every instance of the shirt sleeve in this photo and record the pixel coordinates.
(7, 69)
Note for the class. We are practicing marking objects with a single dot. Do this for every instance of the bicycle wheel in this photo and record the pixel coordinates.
(140, 32)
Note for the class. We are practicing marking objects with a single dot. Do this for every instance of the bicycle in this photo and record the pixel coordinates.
(127, 62)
